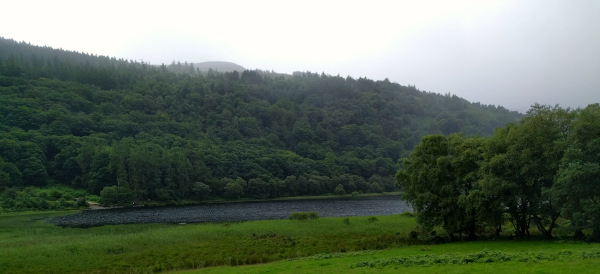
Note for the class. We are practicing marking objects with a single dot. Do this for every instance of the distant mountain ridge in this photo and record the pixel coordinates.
(219, 66)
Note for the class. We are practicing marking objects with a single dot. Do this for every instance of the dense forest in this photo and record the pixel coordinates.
(540, 173)
(128, 130)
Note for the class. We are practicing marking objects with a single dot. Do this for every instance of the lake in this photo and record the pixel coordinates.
(242, 211)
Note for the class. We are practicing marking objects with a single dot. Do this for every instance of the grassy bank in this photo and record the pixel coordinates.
(28, 244)
(290, 198)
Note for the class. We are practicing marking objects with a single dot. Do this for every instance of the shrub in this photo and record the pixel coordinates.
(372, 219)
(82, 201)
(62, 202)
(115, 195)
(354, 193)
(414, 234)
(43, 204)
(55, 194)
(298, 216)
(346, 221)
(407, 214)
(313, 215)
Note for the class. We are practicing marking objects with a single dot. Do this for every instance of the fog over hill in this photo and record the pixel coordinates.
(220, 66)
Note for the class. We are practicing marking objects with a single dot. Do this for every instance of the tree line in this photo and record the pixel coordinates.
(164, 133)
(534, 174)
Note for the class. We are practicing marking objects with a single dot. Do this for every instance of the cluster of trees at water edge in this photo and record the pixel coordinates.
(538, 173)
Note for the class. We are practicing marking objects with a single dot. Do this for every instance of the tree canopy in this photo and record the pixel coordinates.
(529, 173)
(93, 122)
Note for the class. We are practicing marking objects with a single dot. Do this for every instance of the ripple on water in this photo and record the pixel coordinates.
(226, 212)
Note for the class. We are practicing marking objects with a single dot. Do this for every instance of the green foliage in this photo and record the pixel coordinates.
(408, 214)
(233, 190)
(530, 174)
(32, 198)
(116, 195)
(339, 190)
(201, 189)
(580, 170)
(443, 197)
(82, 202)
(92, 122)
(304, 216)
(298, 216)
(137, 247)
(324, 245)
(372, 219)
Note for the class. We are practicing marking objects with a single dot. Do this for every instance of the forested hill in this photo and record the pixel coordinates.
(93, 122)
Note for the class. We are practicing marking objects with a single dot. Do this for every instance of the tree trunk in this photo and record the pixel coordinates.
(579, 236)
(472, 235)
(596, 235)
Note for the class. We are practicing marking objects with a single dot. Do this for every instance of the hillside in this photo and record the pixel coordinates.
(93, 122)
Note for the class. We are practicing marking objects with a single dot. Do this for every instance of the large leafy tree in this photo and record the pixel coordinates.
(521, 165)
(577, 189)
(438, 178)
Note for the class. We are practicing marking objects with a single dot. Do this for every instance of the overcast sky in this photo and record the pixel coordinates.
(509, 53)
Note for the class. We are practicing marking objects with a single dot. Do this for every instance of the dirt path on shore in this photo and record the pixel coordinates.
(94, 206)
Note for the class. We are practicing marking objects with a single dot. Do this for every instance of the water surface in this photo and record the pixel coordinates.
(244, 211)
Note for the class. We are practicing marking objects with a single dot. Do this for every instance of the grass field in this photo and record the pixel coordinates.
(340, 263)
(30, 245)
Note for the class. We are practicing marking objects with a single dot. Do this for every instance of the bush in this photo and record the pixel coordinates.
(115, 195)
(55, 194)
(346, 221)
(354, 193)
(407, 214)
(43, 204)
(313, 215)
(298, 216)
(62, 202)
(414, 234)
(372, 219)
(82, 202)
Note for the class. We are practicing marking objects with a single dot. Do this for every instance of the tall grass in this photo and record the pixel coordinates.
(30, 245)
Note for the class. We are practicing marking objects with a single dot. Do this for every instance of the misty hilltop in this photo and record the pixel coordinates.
(219, 66)
(204, 67)
(93, 121)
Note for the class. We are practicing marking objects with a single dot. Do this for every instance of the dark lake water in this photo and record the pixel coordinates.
(227, 212)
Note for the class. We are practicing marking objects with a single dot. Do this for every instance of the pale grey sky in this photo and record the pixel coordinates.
(510, 53)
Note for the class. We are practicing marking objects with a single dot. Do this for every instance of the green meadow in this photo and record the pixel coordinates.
(28, 244)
